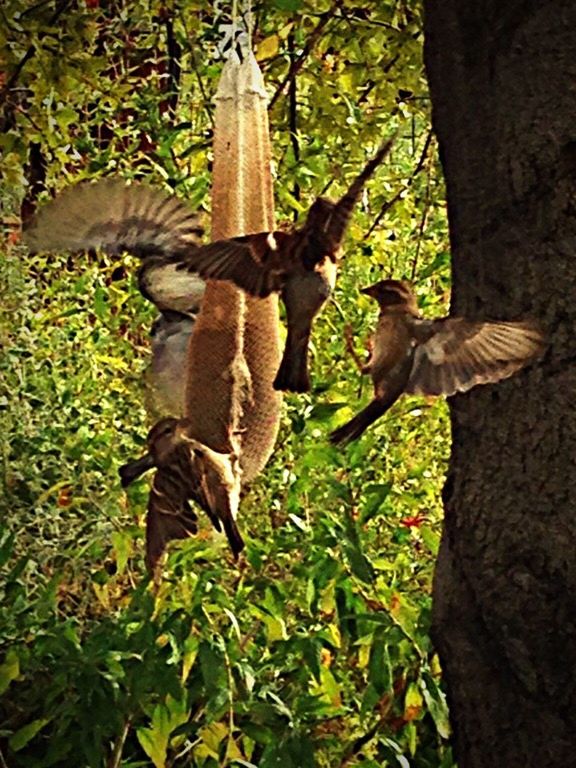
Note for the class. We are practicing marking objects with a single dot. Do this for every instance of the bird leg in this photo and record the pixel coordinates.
(363, 367)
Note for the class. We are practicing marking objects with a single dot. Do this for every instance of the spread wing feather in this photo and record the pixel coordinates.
(256, 263)
(114, 216)
(454, 355)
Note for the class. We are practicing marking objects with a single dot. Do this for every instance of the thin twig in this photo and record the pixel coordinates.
(389, 203)
(293, 117)
(116, 756)
(297, 64)
(349, 339)
(422, 225)
(60, 8)
(3, 763)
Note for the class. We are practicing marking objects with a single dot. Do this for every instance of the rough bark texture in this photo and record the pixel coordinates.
(502, 78)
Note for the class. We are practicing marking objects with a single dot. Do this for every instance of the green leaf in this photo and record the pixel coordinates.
(436, 703)
(325, 411)
(9, 669)
(288, 5)
(155, 744)
(379, 666)
(19, 739)
(430, 538)
(122, 543)
(358, 562)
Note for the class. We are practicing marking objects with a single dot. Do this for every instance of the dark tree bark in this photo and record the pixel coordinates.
(503, 83)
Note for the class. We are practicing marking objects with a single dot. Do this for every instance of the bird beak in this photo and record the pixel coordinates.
(134, 469)
(369, 291)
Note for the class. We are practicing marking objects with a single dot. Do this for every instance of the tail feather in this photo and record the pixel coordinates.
(233, 535)
(293, 375)
(360, 423)
(112, 215)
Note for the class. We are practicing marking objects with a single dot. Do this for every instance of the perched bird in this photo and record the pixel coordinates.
(434, 357)
(300, 264)
(186, 470)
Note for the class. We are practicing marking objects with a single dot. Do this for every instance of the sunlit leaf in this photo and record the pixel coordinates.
(9, 669)
(25, 734)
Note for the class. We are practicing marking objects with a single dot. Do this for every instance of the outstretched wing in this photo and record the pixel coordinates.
(256, 263)
(158, 227)
(342, 210)
(114, 216)
(454, 354)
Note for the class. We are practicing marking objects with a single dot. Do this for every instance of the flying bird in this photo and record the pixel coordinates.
(186, 470)
(300, 264)
(434, 357)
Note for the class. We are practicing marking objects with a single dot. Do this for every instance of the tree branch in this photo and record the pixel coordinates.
(60, 8)
(174, 53)
(293, 124)
(116, 756)
(421, 227)
(297, 64)
(389, 203)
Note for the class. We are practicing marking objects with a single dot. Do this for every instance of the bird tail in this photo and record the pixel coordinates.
(293, 373)
(233, 535)
(132, 470)
(114, 216)
(360, 423)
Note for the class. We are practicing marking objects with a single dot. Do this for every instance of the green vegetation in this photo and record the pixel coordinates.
(315, 650)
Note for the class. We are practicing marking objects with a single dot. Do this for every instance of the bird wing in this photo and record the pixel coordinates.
(454, 354)
(114, 216)
(256, 263)
(342, 210)
(158, 227)
(168, 288)
(169, 517)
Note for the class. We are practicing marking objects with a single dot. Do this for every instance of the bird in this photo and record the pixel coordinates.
(300, 264)
(434, 357)
(186, 470)
(165, 378)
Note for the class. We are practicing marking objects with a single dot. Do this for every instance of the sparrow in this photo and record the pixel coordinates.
(166, 375)
(300, 265)
(186, 470)
(434, 357)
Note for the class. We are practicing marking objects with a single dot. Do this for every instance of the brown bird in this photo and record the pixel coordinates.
(434, 357)
(187, 471)
(165, 378)
(300, 265)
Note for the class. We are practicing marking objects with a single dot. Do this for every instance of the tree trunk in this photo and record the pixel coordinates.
(503, 84)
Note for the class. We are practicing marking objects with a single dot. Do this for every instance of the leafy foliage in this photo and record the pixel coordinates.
(314, 651)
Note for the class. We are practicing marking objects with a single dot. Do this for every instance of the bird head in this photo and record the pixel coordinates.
(163, 439)
(393, 294)
(220, 478)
